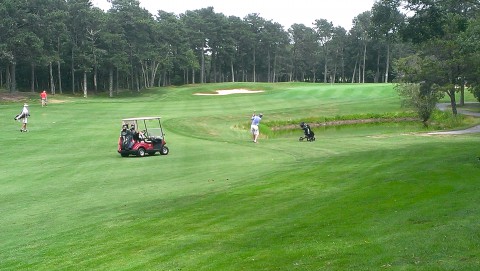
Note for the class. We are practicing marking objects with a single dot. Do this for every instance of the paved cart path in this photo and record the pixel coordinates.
(475, 129)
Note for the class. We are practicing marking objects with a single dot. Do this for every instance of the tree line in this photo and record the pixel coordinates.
(72, 46)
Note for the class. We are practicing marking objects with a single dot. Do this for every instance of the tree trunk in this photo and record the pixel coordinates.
(334, 75)
(144, 73)
(52, 82)
(154, 68)
(364, 61)
(137, 81)
(462, 91)
(117, 81)
(377, 73)
(7, 77)
(202, 71)
(59, 71)
(232, 71)
(160, 77)
(32, 77)
(462, 96)
(185, 76)
(269, 68)
(451, 94)
(13, 79)
(73, 72)
(95, 83)
(59, 74)
(213, 68)
(359, 72)
(254, 66)
(354, 70)
(387, 68)
(110, 82)
(193, 75)
(274, 76)
(325, 70)
(84, 84)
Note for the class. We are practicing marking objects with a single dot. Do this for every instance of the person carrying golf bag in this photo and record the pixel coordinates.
(24, 117)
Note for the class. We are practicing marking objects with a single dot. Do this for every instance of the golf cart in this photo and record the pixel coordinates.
(138, 142)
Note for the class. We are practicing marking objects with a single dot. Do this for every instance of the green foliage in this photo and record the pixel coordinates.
(441, 120)
(343, 119)
(423, 100)
(475, 91)
(445, 57)
(472, 56)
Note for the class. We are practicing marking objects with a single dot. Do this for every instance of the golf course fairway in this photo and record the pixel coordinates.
(378, 196)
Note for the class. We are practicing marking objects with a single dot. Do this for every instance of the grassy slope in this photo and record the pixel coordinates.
(359, 198)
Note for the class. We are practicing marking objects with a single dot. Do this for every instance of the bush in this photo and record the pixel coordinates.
(423, 98)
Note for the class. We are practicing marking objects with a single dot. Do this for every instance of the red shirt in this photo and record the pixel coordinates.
(43, 95)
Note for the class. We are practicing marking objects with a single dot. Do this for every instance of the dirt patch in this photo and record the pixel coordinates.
(56, 101)
(28, 97)
(229, 92)
(15, 97)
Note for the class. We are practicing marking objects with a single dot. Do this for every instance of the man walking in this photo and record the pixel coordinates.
(43, 97)
(24, 117)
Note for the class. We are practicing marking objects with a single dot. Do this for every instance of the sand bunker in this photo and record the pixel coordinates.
(230, 91)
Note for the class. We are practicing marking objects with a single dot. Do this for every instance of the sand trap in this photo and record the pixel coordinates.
(230, 91)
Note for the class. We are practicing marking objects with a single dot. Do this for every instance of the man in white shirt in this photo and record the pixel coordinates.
(24, 117)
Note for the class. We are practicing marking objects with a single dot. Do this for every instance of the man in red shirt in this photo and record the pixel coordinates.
(43, 96)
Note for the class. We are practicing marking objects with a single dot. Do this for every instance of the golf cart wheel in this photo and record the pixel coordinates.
(164, 150)
(141, 152)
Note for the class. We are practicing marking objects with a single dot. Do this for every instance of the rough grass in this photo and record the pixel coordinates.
(362, 197)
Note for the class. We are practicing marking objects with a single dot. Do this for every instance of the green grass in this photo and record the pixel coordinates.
(362, 197)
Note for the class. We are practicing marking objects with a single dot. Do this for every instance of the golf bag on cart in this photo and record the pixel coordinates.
(309, 135)
(126, 138)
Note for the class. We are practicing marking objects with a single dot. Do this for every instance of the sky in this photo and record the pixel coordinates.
(339, 12)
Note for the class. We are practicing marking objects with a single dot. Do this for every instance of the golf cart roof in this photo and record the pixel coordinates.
(141, 118)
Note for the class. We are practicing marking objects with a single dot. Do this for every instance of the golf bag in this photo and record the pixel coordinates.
(22, 115)
(309, 135)
(127, 140)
